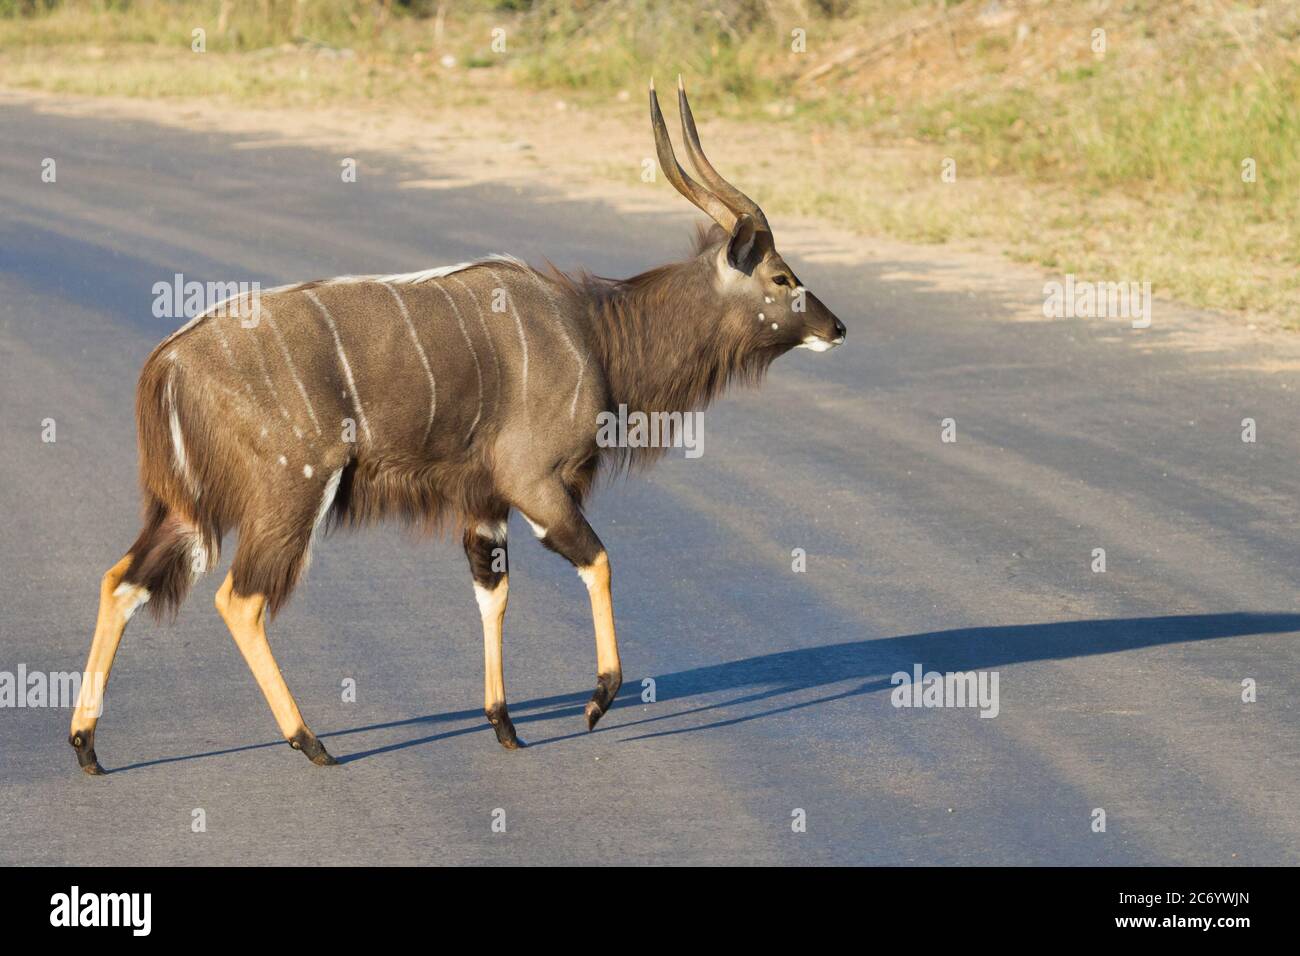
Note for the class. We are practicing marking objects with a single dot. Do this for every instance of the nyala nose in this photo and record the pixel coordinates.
(839, 330)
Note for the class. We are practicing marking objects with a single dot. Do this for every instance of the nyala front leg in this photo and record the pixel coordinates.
(485, 547)
(561, 526)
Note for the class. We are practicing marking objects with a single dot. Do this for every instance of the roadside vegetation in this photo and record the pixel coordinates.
(1166, 148)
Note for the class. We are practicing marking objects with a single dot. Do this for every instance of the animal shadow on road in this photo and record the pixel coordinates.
(767, 678)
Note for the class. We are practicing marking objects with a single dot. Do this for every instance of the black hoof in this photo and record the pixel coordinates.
(306, 741)
(607, 686)
(84, 744)
(505, 729)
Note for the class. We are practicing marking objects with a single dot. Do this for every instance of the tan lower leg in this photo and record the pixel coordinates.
(609, 671)
(492, 608)
(117, 602)
(244, 615)
(596, 577)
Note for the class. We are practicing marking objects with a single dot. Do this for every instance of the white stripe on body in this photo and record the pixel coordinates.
(424, 359)
(347, 367)
(293, 372)
(472, 351)
(523, 343)
(579, 357)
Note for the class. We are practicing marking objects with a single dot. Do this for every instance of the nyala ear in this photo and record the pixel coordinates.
(745, 247)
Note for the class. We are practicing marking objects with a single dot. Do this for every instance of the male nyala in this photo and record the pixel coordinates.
(446, 398)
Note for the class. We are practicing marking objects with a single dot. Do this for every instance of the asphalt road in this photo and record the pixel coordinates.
(1119, 690)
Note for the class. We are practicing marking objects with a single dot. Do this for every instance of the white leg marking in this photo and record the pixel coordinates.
(489, 602)
(537, 529)
(137, 596)
(424, 359)
(493, 532)
(343, 360)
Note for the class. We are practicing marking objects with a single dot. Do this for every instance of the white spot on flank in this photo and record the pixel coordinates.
(767, 299)
(537, 529)
(343, 361)
(307, 471)
(761, 317)
(775, 326)
(283, 461)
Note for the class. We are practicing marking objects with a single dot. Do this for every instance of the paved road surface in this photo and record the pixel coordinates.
(1119, 691)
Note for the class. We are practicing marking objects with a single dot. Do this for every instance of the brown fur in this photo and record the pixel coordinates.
(660, 341)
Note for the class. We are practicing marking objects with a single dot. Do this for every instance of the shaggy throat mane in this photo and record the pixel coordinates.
(661, 352)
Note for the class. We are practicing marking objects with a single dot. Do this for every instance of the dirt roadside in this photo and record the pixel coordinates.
(540, 140)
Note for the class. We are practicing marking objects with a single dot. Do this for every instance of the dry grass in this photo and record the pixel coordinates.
(1125, 164)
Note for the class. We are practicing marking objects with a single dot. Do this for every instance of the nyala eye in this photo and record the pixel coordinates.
(780, 279)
